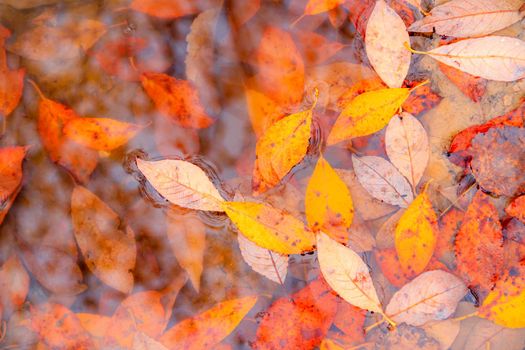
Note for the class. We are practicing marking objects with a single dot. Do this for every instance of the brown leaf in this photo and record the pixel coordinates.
(14, 285)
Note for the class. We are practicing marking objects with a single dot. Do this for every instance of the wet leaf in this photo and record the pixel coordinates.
(95, 325)
(407, 146)
(102, 134)
(283, 145)
(493, 57)
(472, 86)
(182, 183)
(14, 285)
(479, 244)
(467, 18)
(505, 304)
(351, 320)
(382, 180)
(108, 251)
(517, 208)
(385, 36)
(445, 332)
(11, 81)
(415, 235)
(498, 160)
(263, 261)
(210, 327)
(79, 160)
(187, 237)
(10, 170)
(449, 225)
(298, 321)
(433, 295)
(176, 99)
(169, 9)
(263, 111)
(315, 48)
(328, 204)
(347, 274)
(420, 100)
(75, 37)
(315, 7)
(367, 114)
(406, 337)
(59, 328)
(270, 228)
(142, 341)
(280, 67)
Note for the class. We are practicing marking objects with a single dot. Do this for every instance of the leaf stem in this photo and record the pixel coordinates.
(424, 82)
(37, 89)
(407, 46)
(464, 317)
(297, 20)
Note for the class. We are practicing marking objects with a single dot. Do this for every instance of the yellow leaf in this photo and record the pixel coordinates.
(283, 145)
(270, 228)
(505, 304)
(367, 114)
(329, 206)
(415, 235)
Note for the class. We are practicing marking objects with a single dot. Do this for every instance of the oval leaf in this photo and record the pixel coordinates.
(270, 228)
(367, 114)
(182, 183)
(385, 37)
(347, 274)
(382, 180)
(407, 146)
(433, 295)
(109, 252)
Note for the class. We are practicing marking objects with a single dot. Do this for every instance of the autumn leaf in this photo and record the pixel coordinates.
(14, 284)
(178, 100)
(271, 265)
(11, 81)
(315, 48)
(517, 208)
(347, 274)
(315, 7)
(182, 183)
(187, 237)
(382, 180)
(210, 327)
(472, 86)
(466, 18)
(263, 111)
(169, 9)
(504, 305)
(58, 327)
(283, 145)
(407, 146)
(493, 57)
(405, 337)
(415, 235)
(79, 160)
(10, 170)
(385, 35)
(280, 67)
(96, 325)
(351, 320)
(142, 341)
(433, 295)
(108, 251)
(449, 224)
(270, 228)
(298, 321)
(479, 244)
(367, 114)
(328, 202)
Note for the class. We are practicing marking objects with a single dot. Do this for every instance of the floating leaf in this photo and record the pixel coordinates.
(367, 114)
(416, 234)
(263, 261)
(187, 237)
(176, 99)
(11, 81)
(351, 320)
(108, 251)
(479, 244)
(493, 57)
(182, 183)
(263, 111)
(283, 145)
(385, 36)
(328, 203)
(382, 180)
(298, 321)
(433, 295)
(407, 146)
(270, 228)
(468, 18)
(102, 134)
(347, 274)
(472, 86)
(14, 285)
(210, 327)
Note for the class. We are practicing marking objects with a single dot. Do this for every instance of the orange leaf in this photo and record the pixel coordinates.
(10, 170)
(449, 225)
(316, 48)
(14, 285)
(280, 67)
(298, 321)
(517, 208)
(472, 86)
(176, 99)
(263, 111)
(75, 158)
(169, 9)
(350, 320)
(210, 327)
(11, 81)
(315, 7)
(59, 328)
(102, 134)
(479, 244)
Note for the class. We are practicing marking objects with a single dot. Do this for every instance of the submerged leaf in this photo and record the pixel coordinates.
(10, 170)
(14, 285)
(11, 81)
